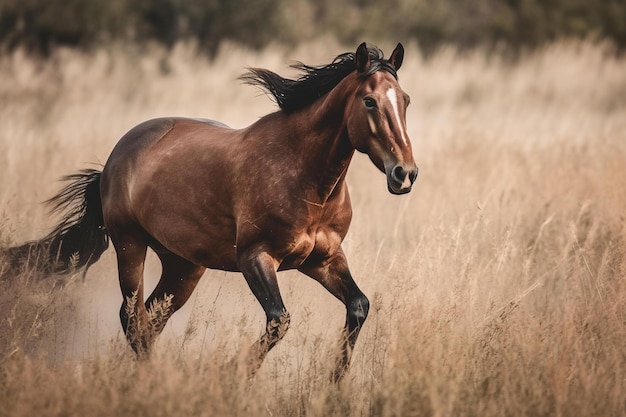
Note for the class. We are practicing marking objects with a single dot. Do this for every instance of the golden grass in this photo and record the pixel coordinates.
(497, 286)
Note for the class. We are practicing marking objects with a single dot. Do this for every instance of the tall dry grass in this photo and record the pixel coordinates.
(497, 286)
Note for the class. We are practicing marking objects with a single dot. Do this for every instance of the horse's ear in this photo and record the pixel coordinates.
(397, 56)
(362, 58)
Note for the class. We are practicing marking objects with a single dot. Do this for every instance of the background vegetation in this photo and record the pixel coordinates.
(498, 285)
(515, 25)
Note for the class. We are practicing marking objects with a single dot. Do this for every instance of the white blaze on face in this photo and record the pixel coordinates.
(393, 98)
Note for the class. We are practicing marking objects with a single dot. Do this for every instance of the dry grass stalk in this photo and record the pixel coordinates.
(497, 286)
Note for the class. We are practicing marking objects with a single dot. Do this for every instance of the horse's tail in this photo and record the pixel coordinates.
(77, 241)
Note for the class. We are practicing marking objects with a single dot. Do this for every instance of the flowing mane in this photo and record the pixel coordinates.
(315, 81)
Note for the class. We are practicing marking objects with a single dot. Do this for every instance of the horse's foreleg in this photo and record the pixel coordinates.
(259, 269)
(333, 273)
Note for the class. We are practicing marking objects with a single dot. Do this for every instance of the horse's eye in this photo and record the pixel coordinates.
(369, 102)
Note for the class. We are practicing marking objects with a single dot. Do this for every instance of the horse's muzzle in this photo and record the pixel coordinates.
(400, 179)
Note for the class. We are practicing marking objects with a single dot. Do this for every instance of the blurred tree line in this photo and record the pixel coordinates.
(39, 25)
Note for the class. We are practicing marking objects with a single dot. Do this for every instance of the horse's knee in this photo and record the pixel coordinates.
(358, 308)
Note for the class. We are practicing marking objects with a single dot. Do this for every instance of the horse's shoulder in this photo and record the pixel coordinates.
(337, 213)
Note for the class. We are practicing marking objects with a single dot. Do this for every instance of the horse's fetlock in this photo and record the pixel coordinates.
(279, 324)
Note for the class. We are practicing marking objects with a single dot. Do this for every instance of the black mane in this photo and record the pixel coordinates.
(315, 81)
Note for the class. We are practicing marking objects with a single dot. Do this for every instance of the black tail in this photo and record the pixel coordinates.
(77, 241)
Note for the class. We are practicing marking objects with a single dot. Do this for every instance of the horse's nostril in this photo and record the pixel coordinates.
(399, 173)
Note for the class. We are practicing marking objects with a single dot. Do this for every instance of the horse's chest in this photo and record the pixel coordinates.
(323, 242)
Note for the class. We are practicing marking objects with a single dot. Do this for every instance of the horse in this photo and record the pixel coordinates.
(257, 200)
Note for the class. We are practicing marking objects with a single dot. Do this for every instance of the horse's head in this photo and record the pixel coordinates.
(376, 119)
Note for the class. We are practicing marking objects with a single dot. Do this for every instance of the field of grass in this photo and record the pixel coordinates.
(498, 286)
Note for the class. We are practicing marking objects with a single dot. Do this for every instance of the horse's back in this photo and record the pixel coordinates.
(153, 130)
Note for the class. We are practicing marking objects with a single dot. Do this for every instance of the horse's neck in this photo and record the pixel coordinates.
(326, 148)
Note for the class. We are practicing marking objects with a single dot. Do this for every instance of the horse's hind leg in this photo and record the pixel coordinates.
(131, 255)
(178, 280)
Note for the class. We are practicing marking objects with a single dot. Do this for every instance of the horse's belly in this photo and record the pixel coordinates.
(209, 244)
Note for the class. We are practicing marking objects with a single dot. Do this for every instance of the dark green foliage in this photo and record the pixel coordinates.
(251, 23)
(38, 25)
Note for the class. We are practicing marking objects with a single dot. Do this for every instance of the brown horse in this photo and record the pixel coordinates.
(257, 200)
